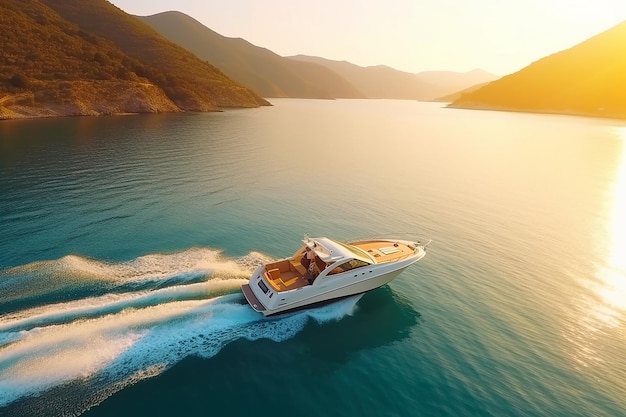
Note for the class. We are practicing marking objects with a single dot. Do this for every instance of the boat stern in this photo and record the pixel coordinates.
(258, 292)
(252, 299)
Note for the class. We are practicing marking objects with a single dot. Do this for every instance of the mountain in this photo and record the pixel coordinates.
(76, 57)
(586, 79)
(450, 82)
(385, 82)
(378, 81)
(258, 68)
(454, 96)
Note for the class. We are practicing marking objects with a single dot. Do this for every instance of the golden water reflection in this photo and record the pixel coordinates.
(603, 306)
(612, 275)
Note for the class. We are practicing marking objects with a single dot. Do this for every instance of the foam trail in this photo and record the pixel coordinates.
(71, 274)
(112, 303)
(152, 267)
(108, 352)
(44, 357)
(84, 350)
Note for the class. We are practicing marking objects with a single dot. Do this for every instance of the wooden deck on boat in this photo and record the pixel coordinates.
(385, 251)
(289, 274)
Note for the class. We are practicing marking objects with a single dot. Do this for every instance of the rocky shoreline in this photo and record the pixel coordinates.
(88, 98)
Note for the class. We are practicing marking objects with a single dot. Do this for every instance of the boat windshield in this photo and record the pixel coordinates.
(359, 253)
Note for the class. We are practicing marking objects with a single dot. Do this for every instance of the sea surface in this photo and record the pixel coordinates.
(124, 242)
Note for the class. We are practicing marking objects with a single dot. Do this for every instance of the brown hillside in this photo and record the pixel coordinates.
(46, 63)
(52, 67)
(587, 79)
(191, 83)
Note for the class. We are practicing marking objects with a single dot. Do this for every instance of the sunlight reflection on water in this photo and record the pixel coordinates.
(612, 275)
(604, 305)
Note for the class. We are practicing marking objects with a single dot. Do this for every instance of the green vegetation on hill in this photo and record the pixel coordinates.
(58, 60)
(191, 83)
(587, 79)
(38, 45)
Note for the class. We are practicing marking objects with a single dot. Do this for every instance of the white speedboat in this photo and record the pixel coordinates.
(338, 270)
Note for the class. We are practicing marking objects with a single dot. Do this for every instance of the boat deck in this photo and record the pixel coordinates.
(385, 251)
(290, 274)
(286, 275)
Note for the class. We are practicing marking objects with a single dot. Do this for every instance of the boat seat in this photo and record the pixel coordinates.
(285, 278)
(274, 273)
(298, 267)
(289, 278)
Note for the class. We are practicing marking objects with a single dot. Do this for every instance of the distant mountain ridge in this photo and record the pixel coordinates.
(258, 68)
(455, 96)
(451, 82)
(304, 76)
(385, 82)
(88, 57)
(586, 79)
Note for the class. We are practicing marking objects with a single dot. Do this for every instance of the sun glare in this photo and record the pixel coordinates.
(612, 275)
(598, 11)
(606, 308)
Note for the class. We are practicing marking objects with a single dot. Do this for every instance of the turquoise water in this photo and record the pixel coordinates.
(124, 240)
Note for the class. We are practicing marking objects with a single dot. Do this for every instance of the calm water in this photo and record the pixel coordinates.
(124, 240)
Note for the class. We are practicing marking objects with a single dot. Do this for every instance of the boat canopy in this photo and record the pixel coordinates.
(331, 251)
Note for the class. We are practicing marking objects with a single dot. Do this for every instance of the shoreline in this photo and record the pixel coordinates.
(537, 111)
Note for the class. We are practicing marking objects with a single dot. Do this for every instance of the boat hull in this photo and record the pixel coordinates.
(321, 298)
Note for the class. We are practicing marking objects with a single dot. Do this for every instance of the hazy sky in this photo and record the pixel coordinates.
(500, 36)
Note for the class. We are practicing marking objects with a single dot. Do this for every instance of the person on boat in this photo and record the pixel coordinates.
(308, 261)
(305, 261)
